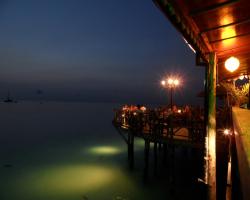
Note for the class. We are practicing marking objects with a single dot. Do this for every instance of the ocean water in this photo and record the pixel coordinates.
(71, 151)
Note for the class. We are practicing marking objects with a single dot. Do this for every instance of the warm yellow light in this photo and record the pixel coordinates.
(179, 111)
(170, 81)
(232, 64)
(229, 31)
(143, 108)
(226, 132)
(176, 82)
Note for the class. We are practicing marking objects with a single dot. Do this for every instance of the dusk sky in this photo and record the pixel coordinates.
(92, 50)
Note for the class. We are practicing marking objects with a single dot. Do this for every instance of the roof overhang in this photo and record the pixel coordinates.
(220, 26)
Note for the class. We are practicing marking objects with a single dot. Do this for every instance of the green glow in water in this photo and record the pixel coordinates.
(105, 150)
(66, 182)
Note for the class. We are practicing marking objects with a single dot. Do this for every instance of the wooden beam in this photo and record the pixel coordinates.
(228, 38)
(185, 27)
(226, 25)
(199, 61)
(212, 7)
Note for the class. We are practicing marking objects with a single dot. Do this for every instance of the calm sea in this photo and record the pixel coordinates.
(71, 151)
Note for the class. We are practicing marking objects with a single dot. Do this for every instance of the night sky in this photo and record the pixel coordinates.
(92, 50)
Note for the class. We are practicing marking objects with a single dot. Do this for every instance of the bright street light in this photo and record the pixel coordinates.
(176, 82)
(163, 83)
(171, 83)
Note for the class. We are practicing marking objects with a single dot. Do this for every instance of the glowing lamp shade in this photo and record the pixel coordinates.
(232, 64)
(170, 81)
(176, 82)
(226, 132)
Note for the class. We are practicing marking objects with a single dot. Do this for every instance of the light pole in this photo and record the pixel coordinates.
(171, 83)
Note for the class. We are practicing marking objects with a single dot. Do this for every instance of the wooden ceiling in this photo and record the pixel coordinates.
(221, 26)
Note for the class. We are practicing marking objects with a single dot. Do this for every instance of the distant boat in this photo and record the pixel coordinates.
(9, 100)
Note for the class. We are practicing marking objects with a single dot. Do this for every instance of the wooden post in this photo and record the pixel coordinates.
(248, 105)
(165, 150)
(132, 152)
(210, 141)
(155, 158)
(128, 143)
(146, 159)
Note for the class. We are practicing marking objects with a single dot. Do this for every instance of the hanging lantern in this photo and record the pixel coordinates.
(232, 64)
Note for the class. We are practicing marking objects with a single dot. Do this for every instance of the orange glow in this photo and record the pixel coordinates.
(176, 82)
(232, 64)
(226, 132)
(229, 31)
(143, 108)
(226, 19)
(170, 81)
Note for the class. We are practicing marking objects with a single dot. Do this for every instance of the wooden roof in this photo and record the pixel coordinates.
(221, 26)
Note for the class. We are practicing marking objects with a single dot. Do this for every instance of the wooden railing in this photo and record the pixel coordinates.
(158, 124)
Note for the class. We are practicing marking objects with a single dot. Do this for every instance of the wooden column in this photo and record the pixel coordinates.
(155, 158)
(131, 162)
(146, 159)
(248, 104)
(210, 142)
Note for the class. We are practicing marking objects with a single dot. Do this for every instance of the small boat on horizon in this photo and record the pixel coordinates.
(9, 100)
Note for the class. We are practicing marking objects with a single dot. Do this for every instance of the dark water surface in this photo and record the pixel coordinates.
(70, 151)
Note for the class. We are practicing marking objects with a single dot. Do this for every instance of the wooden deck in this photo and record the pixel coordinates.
(174, 129)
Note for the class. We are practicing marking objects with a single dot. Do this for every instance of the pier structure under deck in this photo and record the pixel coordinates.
(165, 131)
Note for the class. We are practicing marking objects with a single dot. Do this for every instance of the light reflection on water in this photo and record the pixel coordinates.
(105, 150)
(52, 156)
(66, 151)
(67, 182)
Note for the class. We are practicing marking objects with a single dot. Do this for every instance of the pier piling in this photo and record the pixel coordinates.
(155, 158)
(146, 158)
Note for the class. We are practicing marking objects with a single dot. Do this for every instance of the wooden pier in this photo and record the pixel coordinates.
(166, 130)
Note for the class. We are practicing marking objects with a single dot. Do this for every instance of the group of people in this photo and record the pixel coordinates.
(186, 111)
(134, 108)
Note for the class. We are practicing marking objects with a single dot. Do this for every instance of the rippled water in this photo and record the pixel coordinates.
(70, 151)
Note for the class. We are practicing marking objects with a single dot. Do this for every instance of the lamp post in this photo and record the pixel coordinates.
(171, 83)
